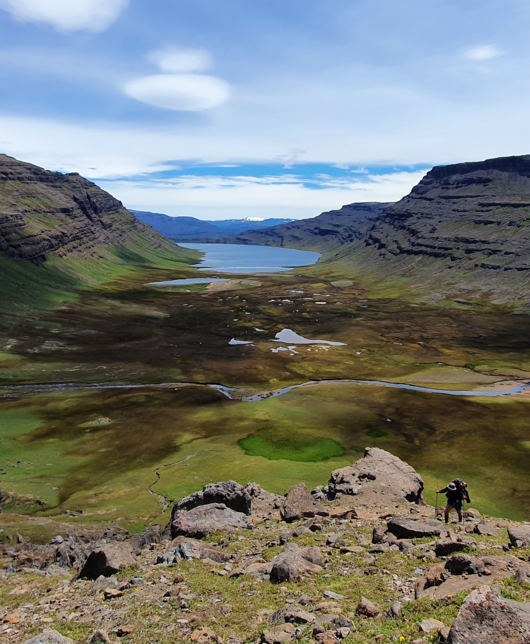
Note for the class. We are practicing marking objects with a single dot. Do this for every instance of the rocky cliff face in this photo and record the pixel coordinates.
(43, 213)
(463, 228)
(475, 215)
(328, 230)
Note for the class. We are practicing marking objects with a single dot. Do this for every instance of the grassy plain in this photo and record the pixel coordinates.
(164, 442)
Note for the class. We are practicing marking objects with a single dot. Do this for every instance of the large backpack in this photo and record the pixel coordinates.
(461, 486)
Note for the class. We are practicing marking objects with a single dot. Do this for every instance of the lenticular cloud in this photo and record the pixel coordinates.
(186, 92)
(67, 15)
(179, 88)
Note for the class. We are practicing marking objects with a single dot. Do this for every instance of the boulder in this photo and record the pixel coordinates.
(411, 529)
(294, 562)
(205, 519)
(519, 536)
(70, 553)
(317, 523)
(448, 546)
(430, 625)
(299, 503)
(263, 503)
(146, 538)
(486, 530)
(292, 615)
(487, 618)
(459, 564)
(229, 493)
(449, 579)
(49, 636)
(279, 634)
(378, 473)
(395, 610)
(331, 622)
(367, 608)
(107, 560)
(194, 549)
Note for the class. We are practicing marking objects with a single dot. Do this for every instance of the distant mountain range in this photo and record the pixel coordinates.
(192, 229)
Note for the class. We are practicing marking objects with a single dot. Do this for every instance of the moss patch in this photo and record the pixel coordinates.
(309, 449)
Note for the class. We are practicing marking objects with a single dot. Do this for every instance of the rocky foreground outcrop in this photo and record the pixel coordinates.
(487, 618)
(285, 569)
(380, 478)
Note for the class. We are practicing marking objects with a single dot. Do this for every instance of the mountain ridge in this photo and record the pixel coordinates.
(192, 229)
(59, 232)
(464, 227)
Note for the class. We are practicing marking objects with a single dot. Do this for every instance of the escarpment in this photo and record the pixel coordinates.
(474, 215)
(328, 231)
(45, 214)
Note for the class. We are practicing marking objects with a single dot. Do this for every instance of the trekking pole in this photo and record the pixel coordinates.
(436, 510)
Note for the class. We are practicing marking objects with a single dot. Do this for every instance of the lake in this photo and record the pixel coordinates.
(242, 259)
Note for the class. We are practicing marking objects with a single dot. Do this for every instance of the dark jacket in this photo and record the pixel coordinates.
(458, 495)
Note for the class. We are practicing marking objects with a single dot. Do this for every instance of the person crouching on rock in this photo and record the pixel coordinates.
(455, 496)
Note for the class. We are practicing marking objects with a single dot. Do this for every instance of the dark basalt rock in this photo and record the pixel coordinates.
(229, 493)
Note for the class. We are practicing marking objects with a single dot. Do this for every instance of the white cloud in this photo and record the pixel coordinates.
(270, 196)
(289, 160)
(67, 15)
(173, 60)
(483, 52)
(187, 92)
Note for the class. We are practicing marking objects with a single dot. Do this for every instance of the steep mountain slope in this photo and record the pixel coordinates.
(60, 231)
(192, 229)
(466, 225)
(327, 231)
(463, 228)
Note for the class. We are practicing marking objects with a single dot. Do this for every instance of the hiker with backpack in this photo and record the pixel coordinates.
(456, 493)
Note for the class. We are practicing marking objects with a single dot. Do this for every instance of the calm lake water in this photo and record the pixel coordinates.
(235, 258)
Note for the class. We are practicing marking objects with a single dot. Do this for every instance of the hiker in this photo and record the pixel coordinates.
(456, 492)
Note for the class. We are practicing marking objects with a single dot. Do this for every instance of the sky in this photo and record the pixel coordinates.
(240, 109)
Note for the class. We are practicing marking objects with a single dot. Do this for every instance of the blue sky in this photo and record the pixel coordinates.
(273, 109)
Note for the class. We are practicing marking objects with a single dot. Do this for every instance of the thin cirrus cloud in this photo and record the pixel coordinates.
(483, 52)
(67, 15)
(179, 87)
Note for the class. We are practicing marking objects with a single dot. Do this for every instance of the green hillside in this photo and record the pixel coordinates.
(61, 233)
